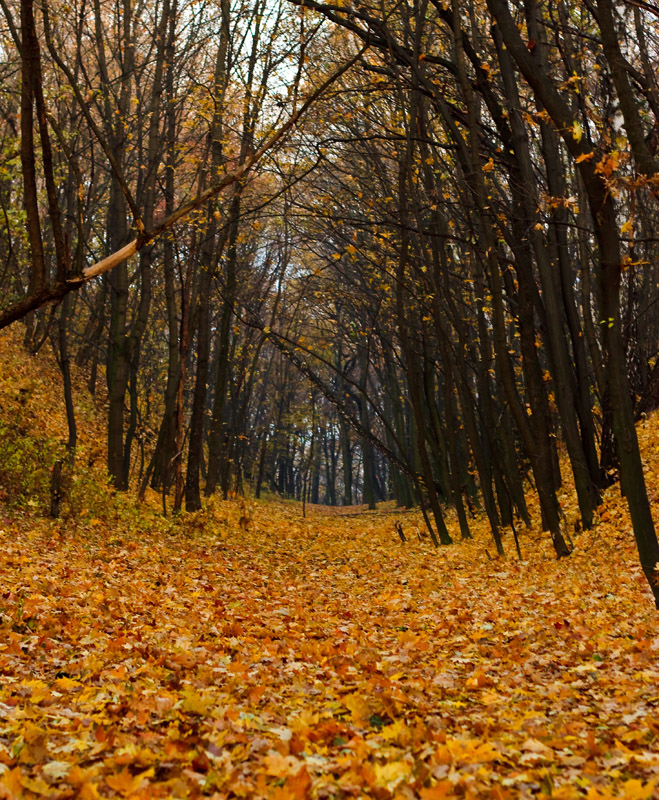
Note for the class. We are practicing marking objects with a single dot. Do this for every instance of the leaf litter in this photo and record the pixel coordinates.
(321, 657)
(248, 652)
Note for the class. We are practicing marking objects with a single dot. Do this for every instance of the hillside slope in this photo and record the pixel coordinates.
(33, 428)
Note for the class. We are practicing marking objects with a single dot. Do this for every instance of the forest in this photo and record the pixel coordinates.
(329, 352)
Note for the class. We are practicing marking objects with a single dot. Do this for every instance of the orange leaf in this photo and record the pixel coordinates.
(282, 766)
(12, 782)
(125, 783)
(299, 785)
(584, 157)
(439, 792)
(88, 791)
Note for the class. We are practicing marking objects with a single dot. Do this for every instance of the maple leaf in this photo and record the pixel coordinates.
(391, 774)
(125, 783)
(282, 766)
(56, 770)
(608, 164)
(36, 786)
(297, 786)
(470, 751)
(66, 684)
(441, 790)
(585, 157)
(11, 782)
(359, 707)
(633, 789)
(196, 703)
(577, 131)
(397, 732)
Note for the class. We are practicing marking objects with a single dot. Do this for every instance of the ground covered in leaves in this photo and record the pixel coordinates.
(249, 652)
(320, 657)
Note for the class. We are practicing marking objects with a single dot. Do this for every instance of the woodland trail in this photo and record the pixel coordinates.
(321, 657)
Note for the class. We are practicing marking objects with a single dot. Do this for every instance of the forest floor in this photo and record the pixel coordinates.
(248, 651)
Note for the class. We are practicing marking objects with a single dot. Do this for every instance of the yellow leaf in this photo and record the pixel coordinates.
(38, 690)
(66, 684)
(397, 732)
(471, 751)
(125, 783)
(634, 790)
(195, 703)
(577, 131)
(390, 775)
(358, 706)
(36, 785)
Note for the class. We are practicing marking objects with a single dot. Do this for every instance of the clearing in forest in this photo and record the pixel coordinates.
(320, 657)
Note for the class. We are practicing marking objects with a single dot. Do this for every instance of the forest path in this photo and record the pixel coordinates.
(320, 657)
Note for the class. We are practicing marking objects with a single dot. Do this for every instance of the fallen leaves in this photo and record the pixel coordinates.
(329, 660)
(296, 658)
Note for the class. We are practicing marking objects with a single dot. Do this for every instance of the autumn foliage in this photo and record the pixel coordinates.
(248, 651)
